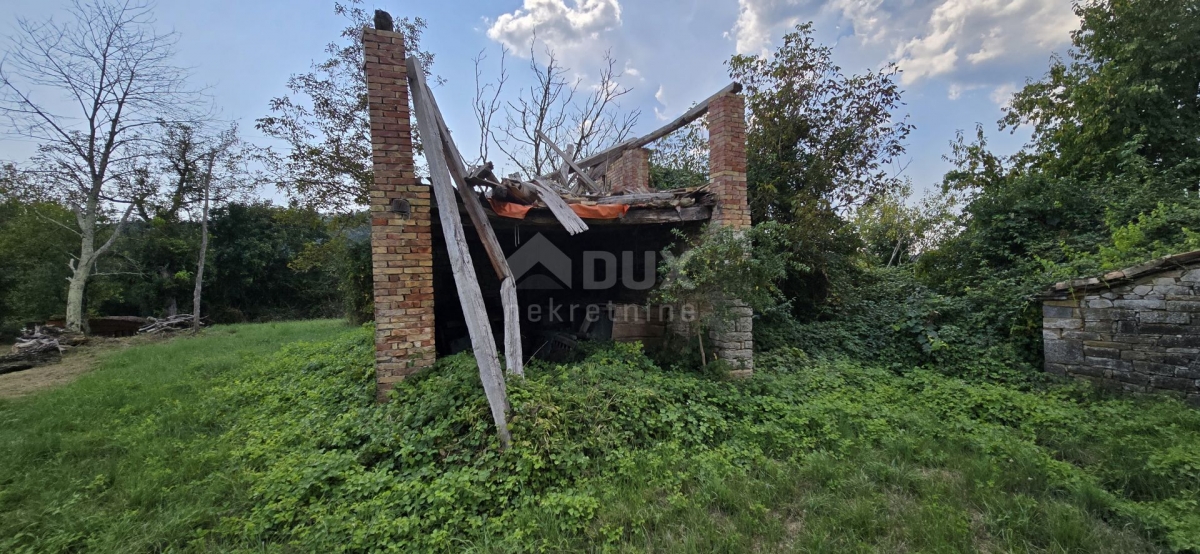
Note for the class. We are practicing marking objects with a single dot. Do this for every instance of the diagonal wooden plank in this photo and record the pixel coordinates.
(469, 295)
(563, 212)
(513, 355)
(567, 160)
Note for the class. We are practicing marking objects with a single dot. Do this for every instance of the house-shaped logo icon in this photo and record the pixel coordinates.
(539, 250)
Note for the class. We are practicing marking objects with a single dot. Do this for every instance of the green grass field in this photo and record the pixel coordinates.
(227, 442)
(129, 458)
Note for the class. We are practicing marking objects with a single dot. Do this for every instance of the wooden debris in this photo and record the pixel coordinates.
(170, 324)
(568, 161)
(469, 295)
(40, 346)
(565, 215)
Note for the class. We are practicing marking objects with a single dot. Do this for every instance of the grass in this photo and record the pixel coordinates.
(210, 444)
(128, 458)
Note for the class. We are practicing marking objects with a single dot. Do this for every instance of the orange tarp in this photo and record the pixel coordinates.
(518, 211)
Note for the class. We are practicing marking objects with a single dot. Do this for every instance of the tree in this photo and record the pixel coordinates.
(324, 120)
(819, 144)
(221, 150)
(115, 73)
(817, 139)
(1129, 82)
(554, 106)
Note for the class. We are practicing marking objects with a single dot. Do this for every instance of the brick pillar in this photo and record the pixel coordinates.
(401, 248)
(734, 341)
(630, 172)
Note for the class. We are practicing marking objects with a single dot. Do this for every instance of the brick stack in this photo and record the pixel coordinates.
(727, 160)
(401, 248)
(733, 341)
(630, 172)
(1142, 335)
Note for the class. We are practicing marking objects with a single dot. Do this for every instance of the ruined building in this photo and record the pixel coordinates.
(468, 258)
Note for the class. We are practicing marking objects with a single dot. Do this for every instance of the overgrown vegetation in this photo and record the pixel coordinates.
(291, 453)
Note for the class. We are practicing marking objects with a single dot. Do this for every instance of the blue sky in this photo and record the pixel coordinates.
(961, 58)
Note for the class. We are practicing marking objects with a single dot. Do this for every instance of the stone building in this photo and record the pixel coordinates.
(624, 222)
(1137, 329)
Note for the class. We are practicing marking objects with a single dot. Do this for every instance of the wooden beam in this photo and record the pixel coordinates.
(567, 160)
(566, 216)
(469, 295)
(688, 117)
(637, 198)
(635, 216)
(513, 355)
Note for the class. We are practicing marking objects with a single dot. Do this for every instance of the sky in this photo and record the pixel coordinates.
(961, 59)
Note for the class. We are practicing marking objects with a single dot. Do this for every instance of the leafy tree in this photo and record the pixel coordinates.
(35, 246)
(818, 140)
(116, 72)
(819, 144)
(253, 247)
(324, 120)
(1129, 82)
(895, 229)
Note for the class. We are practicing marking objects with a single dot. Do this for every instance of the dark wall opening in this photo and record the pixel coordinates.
(566, 285)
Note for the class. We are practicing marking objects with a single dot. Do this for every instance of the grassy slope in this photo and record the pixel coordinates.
(126, 458)
(291, 453)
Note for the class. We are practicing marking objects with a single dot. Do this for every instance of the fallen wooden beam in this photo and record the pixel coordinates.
(638, 198)
(469, 295)
(566, 216)
(635, 216)
(592, 186)
(513, 355)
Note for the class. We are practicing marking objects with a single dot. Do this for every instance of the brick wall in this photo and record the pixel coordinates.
(1142, 336)
(727, 160)
(734, 342)
(630, 172)
(401, 248)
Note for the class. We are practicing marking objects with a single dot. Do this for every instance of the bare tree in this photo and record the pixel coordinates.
(219, 186)
(576, 116)
(487, 103)
(113, 76)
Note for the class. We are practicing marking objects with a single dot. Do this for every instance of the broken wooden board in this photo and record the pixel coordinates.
(565, 215)
(513, 355)
(469, 295)
(567, 160)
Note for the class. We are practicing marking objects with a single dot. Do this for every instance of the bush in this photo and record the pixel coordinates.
(613, 450)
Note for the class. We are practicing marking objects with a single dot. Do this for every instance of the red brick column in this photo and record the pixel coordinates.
(734, 341)
(727, 160)
(630, 172)
(401, 248)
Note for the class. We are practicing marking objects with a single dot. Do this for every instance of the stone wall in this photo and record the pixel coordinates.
(1139, 336)
(401, 247)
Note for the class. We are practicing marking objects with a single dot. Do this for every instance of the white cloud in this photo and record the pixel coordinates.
(660, 96)
(1002, 94)
(759, 20)
(926, 38)
(553, 22)
(987, 30)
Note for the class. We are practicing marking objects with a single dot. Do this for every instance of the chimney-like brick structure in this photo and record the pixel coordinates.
(401, 247)
(630, 172)
(734, 342)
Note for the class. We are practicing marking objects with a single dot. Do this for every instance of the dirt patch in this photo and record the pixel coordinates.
(75, 362)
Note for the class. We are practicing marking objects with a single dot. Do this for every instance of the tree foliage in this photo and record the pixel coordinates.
(324, 122)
